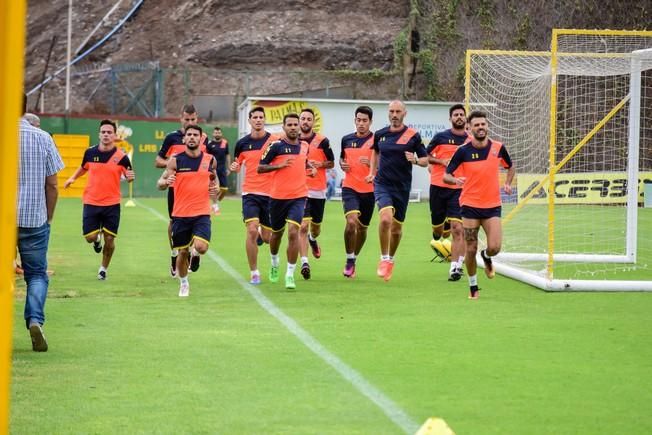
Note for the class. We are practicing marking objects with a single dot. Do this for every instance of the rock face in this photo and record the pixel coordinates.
(221, 44)
(295, 47)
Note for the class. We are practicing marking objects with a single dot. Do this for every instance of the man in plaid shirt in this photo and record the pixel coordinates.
(37, 197)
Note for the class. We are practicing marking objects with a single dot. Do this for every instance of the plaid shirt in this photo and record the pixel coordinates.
(39, 158)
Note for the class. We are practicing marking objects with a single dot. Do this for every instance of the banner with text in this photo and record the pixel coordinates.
(584, 188)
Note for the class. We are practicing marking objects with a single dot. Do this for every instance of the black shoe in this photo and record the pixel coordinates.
(194, 263)
(474, 292)
(39, 344)
(455, 275)
(97, 246)
(305, 271)
(488, 265)
(101, 275)
(173, 266)
(259, 240)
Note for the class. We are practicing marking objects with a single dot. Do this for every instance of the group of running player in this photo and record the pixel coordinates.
(284, 184)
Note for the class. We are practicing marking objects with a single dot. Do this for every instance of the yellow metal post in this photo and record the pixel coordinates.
(467, 82)
(12, 43)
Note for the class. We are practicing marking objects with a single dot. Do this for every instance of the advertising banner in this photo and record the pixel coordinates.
(583, 188)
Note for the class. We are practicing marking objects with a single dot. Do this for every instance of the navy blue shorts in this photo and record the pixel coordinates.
(256, 207)
(315, 209)
(396, 199)
(184, 229)
(444, 203)
(224, 182)
(480, 213)
(356, 202)
(286, 210)
(101, 218)
(170, 201)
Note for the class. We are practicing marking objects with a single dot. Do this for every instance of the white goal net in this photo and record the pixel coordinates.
(577, 122)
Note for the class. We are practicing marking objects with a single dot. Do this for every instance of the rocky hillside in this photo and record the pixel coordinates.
(236, 48)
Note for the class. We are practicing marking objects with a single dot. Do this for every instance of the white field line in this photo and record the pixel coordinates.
(386, 405)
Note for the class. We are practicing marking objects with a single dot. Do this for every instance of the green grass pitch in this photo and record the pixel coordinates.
(129, 356)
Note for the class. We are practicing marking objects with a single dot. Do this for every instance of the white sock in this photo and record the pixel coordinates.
(174, 252)
(310, 237)
(453, 265)
(290, 271)
(304, 260)
(102, 269)
(275, 260)
(350, 256)
(254, 272)
(460, 260)
(194, 252)
(385, 257)
(99, 237)
(391, 258)
(473, 279)
(183, 279)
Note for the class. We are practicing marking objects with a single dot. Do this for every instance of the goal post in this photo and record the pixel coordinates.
(577, 121)
(12, 54)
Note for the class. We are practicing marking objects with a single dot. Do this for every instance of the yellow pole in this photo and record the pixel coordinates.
(12, 44)
(467, 82)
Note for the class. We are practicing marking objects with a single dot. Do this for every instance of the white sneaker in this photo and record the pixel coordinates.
(216, 209)
(184, 290)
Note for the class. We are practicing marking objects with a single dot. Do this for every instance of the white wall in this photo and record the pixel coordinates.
(334, 119)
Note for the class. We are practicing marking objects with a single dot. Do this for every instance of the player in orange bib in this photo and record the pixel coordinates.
(255, 188)
(106, 165)
(357, 194)
(444, 198)
(173, 144)
(287, 159)
(192, 173)
(479, 161)
(320, 156)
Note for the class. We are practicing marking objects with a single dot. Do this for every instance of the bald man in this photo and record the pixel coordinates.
(395, 150)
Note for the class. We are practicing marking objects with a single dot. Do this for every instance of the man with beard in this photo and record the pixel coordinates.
(173, 144)
(195, 182)
(479, 161)
(288, 160)
(320, 156)
(396, 148)
(445, 214)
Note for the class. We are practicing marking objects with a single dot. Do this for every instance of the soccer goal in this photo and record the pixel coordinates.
(577, 121)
